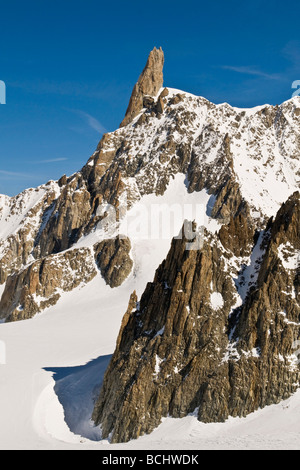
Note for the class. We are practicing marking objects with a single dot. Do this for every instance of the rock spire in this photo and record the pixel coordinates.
(148, 84)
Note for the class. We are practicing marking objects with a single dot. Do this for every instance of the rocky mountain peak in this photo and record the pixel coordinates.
(148, 84)
(212, 332)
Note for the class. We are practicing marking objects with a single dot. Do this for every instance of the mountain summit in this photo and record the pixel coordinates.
(148, 84)
(209, 331)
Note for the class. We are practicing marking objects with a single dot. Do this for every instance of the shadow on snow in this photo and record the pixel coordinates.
(77, 388)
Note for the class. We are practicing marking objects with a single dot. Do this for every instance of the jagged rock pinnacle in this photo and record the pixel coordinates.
(149, 83)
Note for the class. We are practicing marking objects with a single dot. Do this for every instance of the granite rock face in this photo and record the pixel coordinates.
(21, 218)
(41, 284)
(113, 259)
(148, 85)
(186, 347)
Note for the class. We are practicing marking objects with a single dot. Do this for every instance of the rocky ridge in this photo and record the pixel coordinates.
(213, 332)
(193, 344)
(247, 160)
(147, 86)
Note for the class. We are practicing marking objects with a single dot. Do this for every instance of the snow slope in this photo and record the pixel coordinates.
(55, 363)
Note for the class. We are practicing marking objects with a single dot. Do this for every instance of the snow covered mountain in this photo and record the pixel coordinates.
(215, 328)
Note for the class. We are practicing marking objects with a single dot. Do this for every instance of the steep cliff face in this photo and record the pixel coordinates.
(41, 284)
(147, 86)
(204, 339)
(21, 219)
(113, 259)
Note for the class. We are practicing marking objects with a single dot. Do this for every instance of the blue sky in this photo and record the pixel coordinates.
(70, 65)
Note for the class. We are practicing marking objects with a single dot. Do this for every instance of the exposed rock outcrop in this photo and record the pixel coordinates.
(16, 248)
(148, 84)
(164, 341)
(65, 219)
(186, 346)
(113, 259)
(238, 235)
(40, 285)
